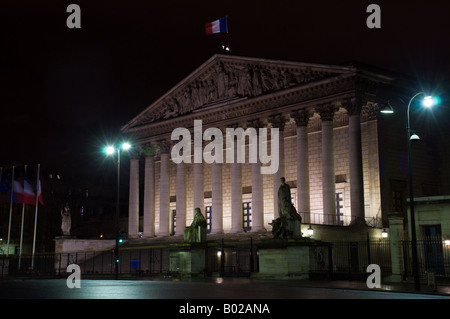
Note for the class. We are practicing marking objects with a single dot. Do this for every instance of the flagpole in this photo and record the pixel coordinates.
(228, 35)
(21, 227)
(10, 211)
(35, 215)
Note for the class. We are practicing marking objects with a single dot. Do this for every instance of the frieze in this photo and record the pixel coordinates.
(224, 82)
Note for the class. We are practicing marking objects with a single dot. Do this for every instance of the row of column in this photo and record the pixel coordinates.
(301, 117)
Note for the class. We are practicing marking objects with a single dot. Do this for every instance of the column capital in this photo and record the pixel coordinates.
(353, 105)
(256, 123)
(149, 149)
(278, 120)
(301, 117)
(371, 109)
(163, 146)
(326, 111)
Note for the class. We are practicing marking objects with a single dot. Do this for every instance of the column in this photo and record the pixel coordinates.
(181, 199)
(372, 110)
(217, 203)
(236, 194)
(133, 204)
(354, 107)
(199, 195)
(278, 121)
(326, 112)
(257, 188)
(301, 118)
(164, 195)
(149, 197)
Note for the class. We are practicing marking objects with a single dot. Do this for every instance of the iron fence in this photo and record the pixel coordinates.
(336, 260)
(433, 255)
(349, 260)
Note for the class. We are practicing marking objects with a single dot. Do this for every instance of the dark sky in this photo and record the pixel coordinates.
(65, 92)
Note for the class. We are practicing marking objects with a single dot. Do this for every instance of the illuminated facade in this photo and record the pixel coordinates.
(330, 148)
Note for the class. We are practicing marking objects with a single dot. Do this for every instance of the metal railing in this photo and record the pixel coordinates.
(340, 260)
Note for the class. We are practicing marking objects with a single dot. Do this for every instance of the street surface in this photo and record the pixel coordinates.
(218, 288)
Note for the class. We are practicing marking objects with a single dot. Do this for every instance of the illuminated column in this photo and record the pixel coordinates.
(133, 204)
(326, 112)
(199, 195)
(149, 197)
(278, 121)
(181, 199)
(354, 107)
(217, 203)
(236, 194)
(303, 193)
(164, 195)
(257, 187)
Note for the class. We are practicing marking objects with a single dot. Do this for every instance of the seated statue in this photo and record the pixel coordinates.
(196, 233)
(289, 222)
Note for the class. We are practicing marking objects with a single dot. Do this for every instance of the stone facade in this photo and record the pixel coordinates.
(329, 147)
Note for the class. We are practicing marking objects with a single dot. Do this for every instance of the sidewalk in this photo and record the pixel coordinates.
(441, 289)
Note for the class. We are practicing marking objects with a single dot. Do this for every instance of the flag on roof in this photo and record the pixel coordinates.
(216, 26)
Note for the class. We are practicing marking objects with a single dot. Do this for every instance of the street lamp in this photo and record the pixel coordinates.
(428, 102)
(109, 151)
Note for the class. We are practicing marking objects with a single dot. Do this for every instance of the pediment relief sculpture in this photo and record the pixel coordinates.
(224, 82)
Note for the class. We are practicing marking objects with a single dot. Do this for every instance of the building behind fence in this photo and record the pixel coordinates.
(345, 260)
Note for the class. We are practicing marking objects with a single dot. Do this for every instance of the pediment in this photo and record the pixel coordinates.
(226, 79)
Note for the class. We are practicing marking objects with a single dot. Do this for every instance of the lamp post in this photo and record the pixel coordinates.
(110, 150)
(428, 102)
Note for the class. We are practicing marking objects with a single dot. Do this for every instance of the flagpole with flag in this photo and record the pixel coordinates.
(10, 211)
(23, 215)
(38, 191)
(219, 26)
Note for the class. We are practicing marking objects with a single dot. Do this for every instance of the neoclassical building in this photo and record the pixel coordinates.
(329, 147)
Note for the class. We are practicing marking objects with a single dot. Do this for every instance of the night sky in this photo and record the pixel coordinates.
(66, 92)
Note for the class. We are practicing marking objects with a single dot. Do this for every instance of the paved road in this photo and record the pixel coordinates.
(232, 288)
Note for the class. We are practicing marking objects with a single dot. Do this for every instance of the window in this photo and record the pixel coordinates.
(397, 202)
(208, 218)
(174, 222)
(247, 214)
(340, 209)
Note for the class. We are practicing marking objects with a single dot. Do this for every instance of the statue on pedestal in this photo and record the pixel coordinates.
(66, 220)
(289, 222)
(196, 233)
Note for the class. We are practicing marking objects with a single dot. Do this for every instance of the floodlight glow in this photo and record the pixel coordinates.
(310, 231)
(430, 101)
(126, 146)
(109, 150)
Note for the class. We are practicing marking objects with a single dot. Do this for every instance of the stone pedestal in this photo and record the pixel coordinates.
(188, 260)
(285, 259)
(69, 249)
(396, 235)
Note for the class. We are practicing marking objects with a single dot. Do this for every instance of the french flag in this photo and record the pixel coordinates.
(18, 192)
(216, 26)
(39, 192)
(29, 197)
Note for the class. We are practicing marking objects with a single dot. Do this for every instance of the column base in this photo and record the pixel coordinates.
(160, 235)
(259, 229)
(236, 230)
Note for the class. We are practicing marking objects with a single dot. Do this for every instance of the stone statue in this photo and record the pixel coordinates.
(66, 220)
(289, 222)
(196, 233)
